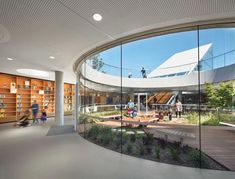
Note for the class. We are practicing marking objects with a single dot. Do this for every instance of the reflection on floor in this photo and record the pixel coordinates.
(27, 153)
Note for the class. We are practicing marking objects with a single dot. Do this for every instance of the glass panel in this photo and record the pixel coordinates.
(159, 100)
(217, 100)
(101, 99)
(168, 98)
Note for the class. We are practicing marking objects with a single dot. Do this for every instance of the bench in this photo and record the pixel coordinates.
(114, 117)
(227, 124)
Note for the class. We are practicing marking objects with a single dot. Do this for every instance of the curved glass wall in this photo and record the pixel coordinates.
(167, 98)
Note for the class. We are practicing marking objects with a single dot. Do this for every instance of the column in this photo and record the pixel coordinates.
(146, 105)
(138, 104)
(59, 98)
(180, 95)
(77, 103)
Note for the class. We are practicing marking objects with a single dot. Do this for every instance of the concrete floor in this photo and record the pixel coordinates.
(27, 153)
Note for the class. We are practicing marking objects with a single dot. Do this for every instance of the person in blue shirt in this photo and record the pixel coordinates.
(35, 109)
(130, 107)
(44, 116)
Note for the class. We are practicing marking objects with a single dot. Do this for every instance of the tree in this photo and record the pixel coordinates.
(221, 96)
(97, 62)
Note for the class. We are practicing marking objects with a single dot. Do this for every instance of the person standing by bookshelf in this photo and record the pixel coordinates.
(35, 109)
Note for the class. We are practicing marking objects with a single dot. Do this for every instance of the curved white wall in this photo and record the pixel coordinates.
(213, 76)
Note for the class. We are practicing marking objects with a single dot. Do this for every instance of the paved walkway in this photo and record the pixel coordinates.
(27, 153)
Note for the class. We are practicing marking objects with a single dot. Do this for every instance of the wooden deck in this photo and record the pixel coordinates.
(216, 141)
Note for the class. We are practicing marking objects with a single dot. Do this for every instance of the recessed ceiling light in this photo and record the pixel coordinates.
(51, 57)
(10, 59)
(33, 72)
(97, 17)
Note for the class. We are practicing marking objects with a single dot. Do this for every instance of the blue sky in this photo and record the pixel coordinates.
(152, 52)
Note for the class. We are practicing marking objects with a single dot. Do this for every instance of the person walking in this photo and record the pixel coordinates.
(143, 72)
(35, 109)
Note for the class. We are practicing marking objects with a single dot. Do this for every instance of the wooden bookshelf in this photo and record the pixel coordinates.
(13, 102)
(49, 97)
(7, 99)
(23, 95)
(69, 91)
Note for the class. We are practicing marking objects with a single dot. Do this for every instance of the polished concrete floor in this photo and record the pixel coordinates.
(27, 153)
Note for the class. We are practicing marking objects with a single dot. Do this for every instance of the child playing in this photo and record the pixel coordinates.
(44, 116)
(170, 112)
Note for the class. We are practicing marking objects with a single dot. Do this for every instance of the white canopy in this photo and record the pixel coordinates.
(181, 62)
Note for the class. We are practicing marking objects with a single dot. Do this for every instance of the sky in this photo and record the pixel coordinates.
(151, 52)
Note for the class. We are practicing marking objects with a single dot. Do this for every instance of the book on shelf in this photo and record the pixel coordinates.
(19, 95)
(2, 95)
(2, 110)
(41, 91)
(2, 106)
(18, 109)
(13, 87)
(27, 84)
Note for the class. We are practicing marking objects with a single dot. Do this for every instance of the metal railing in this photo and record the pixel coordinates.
(206, 64)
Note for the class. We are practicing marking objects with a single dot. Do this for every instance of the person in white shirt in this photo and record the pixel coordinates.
(179, 108)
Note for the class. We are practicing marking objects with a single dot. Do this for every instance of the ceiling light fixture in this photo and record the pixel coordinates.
(33, 72)
(10, 59)
(97, 17)
(51, 57)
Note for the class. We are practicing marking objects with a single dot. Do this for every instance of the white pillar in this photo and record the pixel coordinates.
(138, 102)
(59, 98)
(77, 103)
(146, 105)
(180, 95)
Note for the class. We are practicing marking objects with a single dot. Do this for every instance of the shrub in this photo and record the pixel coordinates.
(107, 139)
(83, 119)
(149, 149)
(140, 135)
(141, 150)
(226, 117)
(148, 139)
(133, 138)
(124, 138)
(129, 148)
(106, 113)
(117, 141)
(94, 131)
(157, 152)
(185, 148)
(174, 153)
(105, 135)
(195, 158)
(209, 118)
(162, 143)
(192, 118)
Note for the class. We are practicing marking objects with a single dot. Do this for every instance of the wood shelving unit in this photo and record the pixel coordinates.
(7, 99)
(14, 102)
(49, 97)
(68, 98)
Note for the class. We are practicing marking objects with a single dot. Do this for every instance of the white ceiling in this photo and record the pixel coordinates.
(33, 30)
